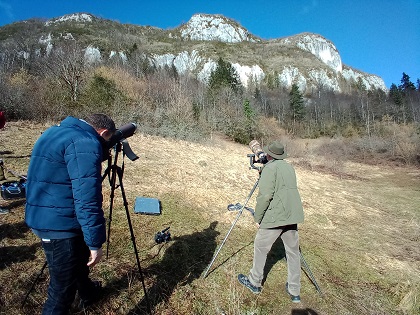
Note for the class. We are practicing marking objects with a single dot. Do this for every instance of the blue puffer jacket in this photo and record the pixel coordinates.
(63, 193)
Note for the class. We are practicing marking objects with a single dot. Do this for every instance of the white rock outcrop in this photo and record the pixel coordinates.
(206, 27)
(214, 27)
(78, 17)
(323, 49)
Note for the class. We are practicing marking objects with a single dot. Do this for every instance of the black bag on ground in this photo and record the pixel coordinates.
(13, 189)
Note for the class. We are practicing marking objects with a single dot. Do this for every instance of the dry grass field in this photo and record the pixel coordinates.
(360, 237)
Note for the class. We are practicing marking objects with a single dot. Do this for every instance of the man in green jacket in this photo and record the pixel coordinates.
(278, 211)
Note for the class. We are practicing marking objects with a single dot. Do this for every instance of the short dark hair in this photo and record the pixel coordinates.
(99, 121)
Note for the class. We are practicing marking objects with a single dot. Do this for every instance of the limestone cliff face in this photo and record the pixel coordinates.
(204, 27)
(320, 47)
(214, 27)
(308, 60)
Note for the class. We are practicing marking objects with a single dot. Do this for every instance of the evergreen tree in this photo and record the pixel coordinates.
(248, 111)
(402, 96)
(276, 79)
(224, 76)
(102, 93)
(269, 79)
(249, 118)
(360, 85)
(406, 85)
(395, 94)
(297, 107)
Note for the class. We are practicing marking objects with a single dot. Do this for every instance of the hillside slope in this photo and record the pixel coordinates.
(360, 237)
(308, 60)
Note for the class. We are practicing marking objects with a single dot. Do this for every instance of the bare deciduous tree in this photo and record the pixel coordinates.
(68, 66)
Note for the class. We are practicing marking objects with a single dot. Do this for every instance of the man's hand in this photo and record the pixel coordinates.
(95, 257)
(257, 225)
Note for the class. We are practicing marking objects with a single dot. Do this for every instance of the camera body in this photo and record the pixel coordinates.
(258, 155)
(13, 189)
(163, 236)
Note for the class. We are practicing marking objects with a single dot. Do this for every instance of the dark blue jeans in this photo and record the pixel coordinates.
(67, 259)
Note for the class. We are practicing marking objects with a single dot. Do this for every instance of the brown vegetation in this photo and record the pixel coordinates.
(355, 153)
(360, 237)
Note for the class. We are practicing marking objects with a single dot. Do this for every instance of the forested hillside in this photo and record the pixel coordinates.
(48, 85)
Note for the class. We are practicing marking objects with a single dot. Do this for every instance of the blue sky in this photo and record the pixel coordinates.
(380, 37)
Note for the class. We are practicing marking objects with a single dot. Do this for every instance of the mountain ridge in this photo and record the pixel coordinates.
(307, 59)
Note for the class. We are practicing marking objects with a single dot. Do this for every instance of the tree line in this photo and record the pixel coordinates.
(49, 86)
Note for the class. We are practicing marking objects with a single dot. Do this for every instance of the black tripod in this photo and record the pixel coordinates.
(112, 172)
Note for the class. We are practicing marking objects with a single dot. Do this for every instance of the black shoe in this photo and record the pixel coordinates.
(245, 281)
(96, 293)
(294, 298)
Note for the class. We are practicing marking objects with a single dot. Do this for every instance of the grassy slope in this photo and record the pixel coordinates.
(360, 237)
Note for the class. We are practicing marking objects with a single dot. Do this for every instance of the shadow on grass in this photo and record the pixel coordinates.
(7, 152)
(276, 254)
(184, 261)
(306, 311)
(9, 205)
(224, 261)
(13, 255)
(13, 230)
(16, 254)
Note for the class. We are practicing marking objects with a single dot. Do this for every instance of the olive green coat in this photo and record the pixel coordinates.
(278, 200)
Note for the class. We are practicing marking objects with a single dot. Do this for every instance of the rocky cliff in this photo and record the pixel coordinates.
(306, 59)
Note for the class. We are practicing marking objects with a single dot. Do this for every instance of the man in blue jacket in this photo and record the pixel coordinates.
(64, 206)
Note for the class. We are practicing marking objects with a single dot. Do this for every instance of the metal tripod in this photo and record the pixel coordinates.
(231, 228)
(308, 272)
(306, 269)
(33, 284)
(115, 171)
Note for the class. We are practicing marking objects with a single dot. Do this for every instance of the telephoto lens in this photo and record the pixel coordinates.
(255, 147)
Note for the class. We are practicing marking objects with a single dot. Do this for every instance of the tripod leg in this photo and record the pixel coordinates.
(133, 240)
(221, 245)
(111, 203)
(231, 228)
(309, 272)
(33, 284)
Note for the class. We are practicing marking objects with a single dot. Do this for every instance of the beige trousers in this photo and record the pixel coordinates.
(264, 240)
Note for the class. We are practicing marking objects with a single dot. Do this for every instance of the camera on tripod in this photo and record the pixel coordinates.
(258, 155)
(120, 137)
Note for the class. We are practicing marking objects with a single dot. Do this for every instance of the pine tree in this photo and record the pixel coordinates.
(406, 85)
(395, 94)
(249, 118)
(297, 107)
(224, 76)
